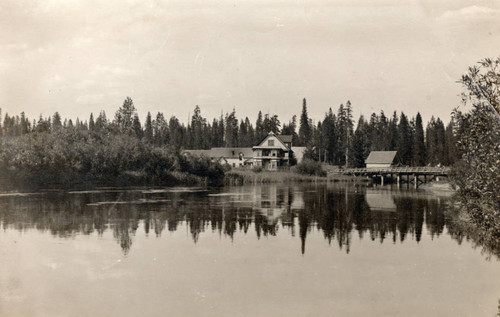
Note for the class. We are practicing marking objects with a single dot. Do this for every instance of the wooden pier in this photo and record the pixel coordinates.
(404, 175)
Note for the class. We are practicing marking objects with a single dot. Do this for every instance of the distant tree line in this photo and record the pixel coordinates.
(333, 140)
(51, 152)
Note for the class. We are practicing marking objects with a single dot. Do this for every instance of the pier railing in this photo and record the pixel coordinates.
(421, 170)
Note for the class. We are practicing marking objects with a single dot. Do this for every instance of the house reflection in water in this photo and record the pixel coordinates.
(273, 205)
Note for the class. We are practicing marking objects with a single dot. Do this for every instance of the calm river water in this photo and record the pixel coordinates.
(273, 250)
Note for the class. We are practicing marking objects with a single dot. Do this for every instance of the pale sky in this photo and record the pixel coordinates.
(78, 57)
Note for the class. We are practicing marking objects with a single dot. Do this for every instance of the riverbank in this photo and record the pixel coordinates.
(240, 177)
(462, 226)
(19, 181)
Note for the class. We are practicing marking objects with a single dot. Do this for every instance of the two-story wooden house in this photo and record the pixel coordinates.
(273, 151)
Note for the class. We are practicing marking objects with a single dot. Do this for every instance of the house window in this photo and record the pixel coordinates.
(270, 142)
(232, 153)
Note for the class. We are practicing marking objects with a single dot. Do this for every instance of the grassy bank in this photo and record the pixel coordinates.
(240, 177)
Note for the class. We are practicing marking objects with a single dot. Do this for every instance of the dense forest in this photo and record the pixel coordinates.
(51, 152)
(333, 140)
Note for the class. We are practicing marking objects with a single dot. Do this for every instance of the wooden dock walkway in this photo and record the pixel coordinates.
(415, 175)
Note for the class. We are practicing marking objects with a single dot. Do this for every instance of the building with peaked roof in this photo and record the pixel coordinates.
(273, 151)
(381, 159)
(235, 156)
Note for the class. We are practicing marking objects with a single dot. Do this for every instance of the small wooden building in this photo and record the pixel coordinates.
(381, 159)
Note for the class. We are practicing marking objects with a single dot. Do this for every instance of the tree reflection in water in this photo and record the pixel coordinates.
(337, 211)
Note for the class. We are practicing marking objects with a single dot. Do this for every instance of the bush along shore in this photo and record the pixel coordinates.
(72, 158)
(306, 171)
(477, 174)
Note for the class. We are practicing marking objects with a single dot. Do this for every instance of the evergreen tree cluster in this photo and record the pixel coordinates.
(333, 140)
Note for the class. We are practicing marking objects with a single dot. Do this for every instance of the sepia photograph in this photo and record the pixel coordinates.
(249, 158)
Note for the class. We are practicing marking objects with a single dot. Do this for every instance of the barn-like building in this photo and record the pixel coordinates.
(382, 159)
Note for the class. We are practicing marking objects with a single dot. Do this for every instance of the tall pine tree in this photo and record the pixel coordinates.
(419, 155)
(305, 131)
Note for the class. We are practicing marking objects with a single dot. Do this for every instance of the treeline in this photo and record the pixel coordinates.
(336, 139)
(56, 153)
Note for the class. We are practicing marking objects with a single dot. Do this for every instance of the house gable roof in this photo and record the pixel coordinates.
(381, 157)
(279, 138)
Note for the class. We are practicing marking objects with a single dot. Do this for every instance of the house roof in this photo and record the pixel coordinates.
(217, 152)
(197, 152)
(381, 157)
(281, 138)
(227, 152)
(285, 138)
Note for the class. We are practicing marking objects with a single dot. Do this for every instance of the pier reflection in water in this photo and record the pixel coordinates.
(337, 211)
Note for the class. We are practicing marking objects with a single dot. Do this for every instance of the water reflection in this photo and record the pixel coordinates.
(336, 211)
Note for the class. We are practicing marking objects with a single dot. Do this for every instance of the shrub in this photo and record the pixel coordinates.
(257, 169)
(309, 167)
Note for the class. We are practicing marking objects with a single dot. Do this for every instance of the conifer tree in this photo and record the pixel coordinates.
(101, 122)
(176, 133)
(404, 144)
(197, 128)
(221, 132)
(357, 158)
(124, 116)
(148, 128)
(231, 130)
(418, 152)
(25, 124)
(91, 122)
(136, 127)
(305, 131)
(260, 132)
(344, 133)
(393, 132)
(330, 136)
